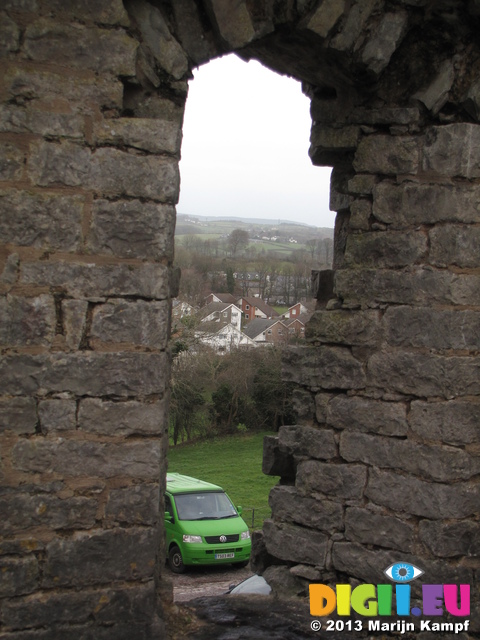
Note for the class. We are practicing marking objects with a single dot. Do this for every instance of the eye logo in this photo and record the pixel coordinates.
(402, 572)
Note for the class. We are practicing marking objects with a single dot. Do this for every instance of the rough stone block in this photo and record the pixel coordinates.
(134, 505)
(290, 505)
(74, 319)
(132, 229)
(367, 527)
(18, 415)
(365, 564)
(454, 422)
(385, 249)
(332, 480)
(432, 328)
(16, 119)
(19, 576)
(57, 415)
(295, 544)
(360, 211)
(80, 280)
(75, 93)
(85, 374)
(99, 11)
(21, 512)
(439, 463)
(325, 17)
(417, 286)
(27, 321)
(366, 415)
(308, 441)
(100, 557)
(387, 155)
(426, 375)
(328, 144)
(453, 150)
(191, 32)
(435, 94)
(139, 323)
(11, 161)
(323, 368)
(9, 35)
(384, 41)
(450, 540)
(455, 245)
(41, 220)
(344, 327)
(80, 47)
(354, 23)
(148, 134)
(405, 494)
(71, 458)
(121, 418)
(105, 171)
(233, 21)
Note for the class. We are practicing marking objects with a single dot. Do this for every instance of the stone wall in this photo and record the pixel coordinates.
(384, 460)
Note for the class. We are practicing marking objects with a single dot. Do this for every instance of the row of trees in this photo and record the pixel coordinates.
(239, 391)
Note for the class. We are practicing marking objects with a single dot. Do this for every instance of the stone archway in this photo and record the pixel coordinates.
(382, 463)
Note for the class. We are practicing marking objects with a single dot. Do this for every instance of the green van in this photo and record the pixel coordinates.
(203, 527)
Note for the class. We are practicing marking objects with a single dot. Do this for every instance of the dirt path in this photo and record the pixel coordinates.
(208, 581)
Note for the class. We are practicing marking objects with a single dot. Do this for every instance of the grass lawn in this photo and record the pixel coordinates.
(234, 463)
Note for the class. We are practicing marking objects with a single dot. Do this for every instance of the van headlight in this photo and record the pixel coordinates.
(245, 535)
(192, 538)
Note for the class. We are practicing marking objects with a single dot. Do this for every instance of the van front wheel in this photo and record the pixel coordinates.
(175, 560)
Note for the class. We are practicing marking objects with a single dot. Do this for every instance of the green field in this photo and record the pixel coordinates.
(233, 462)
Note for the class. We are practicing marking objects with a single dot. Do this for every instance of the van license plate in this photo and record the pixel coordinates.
(224, 556)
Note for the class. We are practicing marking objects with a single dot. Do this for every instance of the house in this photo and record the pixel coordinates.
(180, 309)
(221, 297)
(295, 328)
(267, 331)
(221, 312)
(296, 310)
(255, 308)
(223, 337)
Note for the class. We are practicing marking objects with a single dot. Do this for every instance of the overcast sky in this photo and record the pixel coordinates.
(245, 147)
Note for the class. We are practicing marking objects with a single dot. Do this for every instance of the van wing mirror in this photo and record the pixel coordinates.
(239, 510)
(168, 516)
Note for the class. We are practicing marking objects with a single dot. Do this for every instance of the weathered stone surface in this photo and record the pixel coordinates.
(134, 505)
(41, 220)
(387, 155)
(440, 463)
(344, 327)
(354, 23)
(11, 161)
(367, 527)
(328, 143)
(295, 544)
(27, 321)
(129, 418)
(290, 505)
(366, 415)
(360, 211)
(140, 323)
(435, 95)
(454, 422)
(233, 21)
(96, 374)
(385, 249)
(191, 34)
(21, 512)
(84, 280)
(453, 150)
(450, 540)
(19, 576)
(412, 204)
(9, 35)
(425, 375)
(326, 368)
(17, 119)
(74, 319)
(325, 17)
(132, 229)
(148, 134)
(18, 415)
(363, 563)
(57, 415)
(76, 458)
(417, 286)
(106, 171)
(308, 441)
(385, 40)
(9, 273)
(99, 11)
(332, 480)
(80, 47)
(455, 245)
(76, 93)
(432, 329)
(166, 50)
(102, 605)
(100, 557)
(418, 497)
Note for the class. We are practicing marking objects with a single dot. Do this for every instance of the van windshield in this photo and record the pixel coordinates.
(208, 505)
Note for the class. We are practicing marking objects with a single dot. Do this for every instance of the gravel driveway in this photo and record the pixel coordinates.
(206, 581)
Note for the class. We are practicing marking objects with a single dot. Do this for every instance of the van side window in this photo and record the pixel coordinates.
(168, 507)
